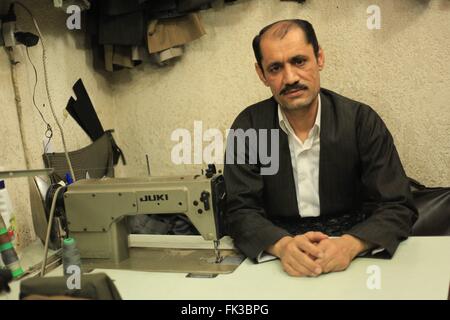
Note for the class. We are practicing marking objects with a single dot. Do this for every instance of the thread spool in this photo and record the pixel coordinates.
(8, 254)
(70, 256)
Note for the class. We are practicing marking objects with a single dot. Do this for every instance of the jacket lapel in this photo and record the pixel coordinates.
(327, 132)
(286, 177)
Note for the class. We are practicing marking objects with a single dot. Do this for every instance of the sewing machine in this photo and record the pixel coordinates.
(97, 210)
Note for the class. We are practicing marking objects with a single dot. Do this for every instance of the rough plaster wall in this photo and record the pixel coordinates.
(68, 59)
(402, 71)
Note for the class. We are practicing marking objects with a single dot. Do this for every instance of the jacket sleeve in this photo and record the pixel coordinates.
(387, 196)
(245, 217)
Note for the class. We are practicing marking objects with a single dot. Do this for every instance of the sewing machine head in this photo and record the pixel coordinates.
(96, 209)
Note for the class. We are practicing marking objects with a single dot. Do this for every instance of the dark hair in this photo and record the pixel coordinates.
(304, 25)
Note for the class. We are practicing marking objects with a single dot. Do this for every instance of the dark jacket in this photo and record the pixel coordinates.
(359, 172)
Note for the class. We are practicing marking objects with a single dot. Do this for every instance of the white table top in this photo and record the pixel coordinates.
(420, 269)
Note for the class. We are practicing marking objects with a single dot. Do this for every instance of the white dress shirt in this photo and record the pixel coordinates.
(305, 164)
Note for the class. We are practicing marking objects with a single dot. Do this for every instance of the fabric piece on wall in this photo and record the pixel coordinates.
(164, 57)
(109, 51)
(140, 54)
(122, 56)
(191, 5)
(119, 7)
(159, 9)
(136, 54)
(64, 4)
(167, 33)
(119, 57)
(126, 29)
(83, 112)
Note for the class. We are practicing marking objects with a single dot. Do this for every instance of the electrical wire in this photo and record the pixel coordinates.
(47, 87)
(49, 131)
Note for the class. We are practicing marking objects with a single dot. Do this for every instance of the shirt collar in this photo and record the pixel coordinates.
(285, 125)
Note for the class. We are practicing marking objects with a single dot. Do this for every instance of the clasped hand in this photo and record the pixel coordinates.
(314, 253)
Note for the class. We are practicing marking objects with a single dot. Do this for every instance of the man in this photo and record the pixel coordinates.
(340, 190)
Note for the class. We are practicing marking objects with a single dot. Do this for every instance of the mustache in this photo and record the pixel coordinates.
(294, 86)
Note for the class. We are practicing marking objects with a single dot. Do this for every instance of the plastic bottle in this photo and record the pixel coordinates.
(8, 253)
(6, 211)
(70, 256)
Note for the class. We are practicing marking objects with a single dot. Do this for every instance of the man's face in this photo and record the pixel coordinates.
(290, 68)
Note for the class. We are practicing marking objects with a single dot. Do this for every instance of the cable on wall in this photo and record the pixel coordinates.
(47, 88)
